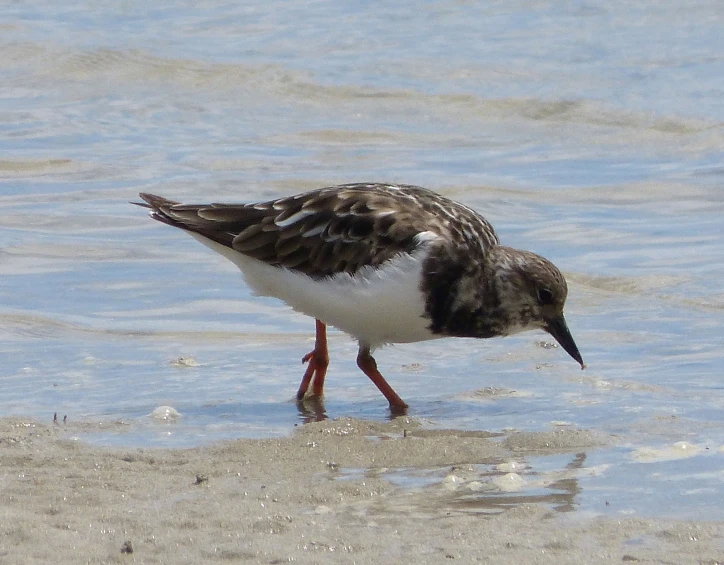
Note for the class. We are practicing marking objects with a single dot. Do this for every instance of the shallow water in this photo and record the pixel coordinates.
(589, 134)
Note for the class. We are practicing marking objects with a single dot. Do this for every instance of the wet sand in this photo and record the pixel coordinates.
(327, 493)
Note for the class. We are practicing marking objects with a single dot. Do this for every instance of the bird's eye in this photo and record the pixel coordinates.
(545, 296)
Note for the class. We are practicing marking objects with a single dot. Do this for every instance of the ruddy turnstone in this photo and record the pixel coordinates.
(384, 263)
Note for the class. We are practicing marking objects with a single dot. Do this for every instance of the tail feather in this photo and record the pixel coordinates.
(185, 218)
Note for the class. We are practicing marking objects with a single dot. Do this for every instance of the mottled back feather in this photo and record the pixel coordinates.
(330, 230)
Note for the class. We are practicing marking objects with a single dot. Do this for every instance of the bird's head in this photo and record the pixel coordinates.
(531, 293)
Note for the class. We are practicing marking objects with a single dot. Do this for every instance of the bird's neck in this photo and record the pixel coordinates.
(463, 298)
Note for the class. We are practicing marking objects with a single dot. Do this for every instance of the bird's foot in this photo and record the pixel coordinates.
(397, 410)
(318, 361)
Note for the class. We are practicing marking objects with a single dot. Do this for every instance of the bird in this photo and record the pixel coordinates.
(384, 263)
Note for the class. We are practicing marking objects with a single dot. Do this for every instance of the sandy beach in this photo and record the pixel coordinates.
(327, 493)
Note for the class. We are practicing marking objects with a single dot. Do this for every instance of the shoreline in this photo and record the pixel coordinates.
(327, 492)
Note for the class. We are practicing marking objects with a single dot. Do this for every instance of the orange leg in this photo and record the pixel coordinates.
(367, 363)
(318, 360)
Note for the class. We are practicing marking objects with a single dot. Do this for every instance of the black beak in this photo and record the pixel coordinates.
(558, 328)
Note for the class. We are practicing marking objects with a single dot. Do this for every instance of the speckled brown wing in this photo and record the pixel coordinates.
(326, 231)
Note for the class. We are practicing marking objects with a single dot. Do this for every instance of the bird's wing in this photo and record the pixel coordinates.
(322, 232)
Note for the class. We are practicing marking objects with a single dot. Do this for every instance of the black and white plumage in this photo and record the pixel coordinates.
(383, 263)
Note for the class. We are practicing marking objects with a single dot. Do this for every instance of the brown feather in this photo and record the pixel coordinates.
(330, 230)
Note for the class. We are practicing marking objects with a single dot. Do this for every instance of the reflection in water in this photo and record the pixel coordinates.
(490, 488)
(569, 487)
(560, 494)
(311, 409)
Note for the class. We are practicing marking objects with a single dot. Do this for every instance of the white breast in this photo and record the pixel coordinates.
(376, 305)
